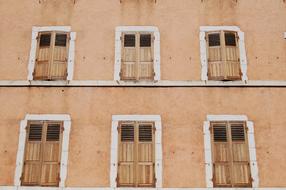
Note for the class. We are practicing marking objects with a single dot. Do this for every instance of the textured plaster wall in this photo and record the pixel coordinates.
(263, 22)
(182, 110)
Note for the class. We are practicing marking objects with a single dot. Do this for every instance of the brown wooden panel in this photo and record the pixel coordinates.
(222, 174)
(221, 152)
(214, 54)
(126, 174)
(146, 54)
(146, 70)
(33, 151)
(129, 54)
(43, 54)
(145, 174)
(241, 174)
(231, 53)
(31, 173)
(128, 70)
(50, 174)
(240, 151)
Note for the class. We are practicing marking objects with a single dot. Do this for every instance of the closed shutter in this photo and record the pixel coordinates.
(223, 56)
(145, 171)
(136, 155)
(52, 53)
(137, 56)
(230, 155)
(42, 154)
(221, 155)
(129, 57)
(33, 155)
(240, 155)
(51, 155)
(60, 53)
(145, 69)
(44, 54)
(126, 162)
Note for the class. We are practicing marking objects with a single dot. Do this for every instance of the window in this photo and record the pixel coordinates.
(223, 56)
(42, 154)
(137, 53)
(52, 54)
(136, 155)
(136, 151)
(230, 154)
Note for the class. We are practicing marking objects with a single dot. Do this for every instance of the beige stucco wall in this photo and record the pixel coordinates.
(183, 111)
(263, 22)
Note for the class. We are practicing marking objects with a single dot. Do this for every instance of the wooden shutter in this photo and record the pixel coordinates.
(59, 59)
(136, 155)
(44, 53)
(33, 155)
(240, 155)
(145, 171)
(145, 65)
(42, 154)
(221, 155)
(129, 56)
(51, 155)
(230, 155)
(52, 55)
(223, 56)
(126, 162)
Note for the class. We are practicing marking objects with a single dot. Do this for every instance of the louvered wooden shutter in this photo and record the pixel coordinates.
(145, 65)
(223, 56)
(33, 155)
(145, 168)
(129, 57)
(241, 169)
(232, 67)
(221, 156)
(126, 162)
(44, 53)
(51, 155)
(59, 57)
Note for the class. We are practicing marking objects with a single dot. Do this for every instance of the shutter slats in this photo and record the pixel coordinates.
(145, 133)
(53, 132)
(35, 133)
(237, 133)
(127, 133)
(220, 133)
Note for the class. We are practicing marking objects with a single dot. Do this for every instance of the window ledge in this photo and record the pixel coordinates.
(161, 83)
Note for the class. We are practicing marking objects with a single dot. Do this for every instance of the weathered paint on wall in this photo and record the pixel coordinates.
(262, 21)
(183, 111)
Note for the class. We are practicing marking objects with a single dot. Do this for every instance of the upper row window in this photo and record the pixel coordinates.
(51, 56)
(137, 54)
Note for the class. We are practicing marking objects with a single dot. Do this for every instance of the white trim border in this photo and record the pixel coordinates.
(203, 49)
(118, 33)
(32, 58)
(158, 145)
(251, 145)
(21, 146)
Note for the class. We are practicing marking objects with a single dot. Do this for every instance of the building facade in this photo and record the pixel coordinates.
(153, 94)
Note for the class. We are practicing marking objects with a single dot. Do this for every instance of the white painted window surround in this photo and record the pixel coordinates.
(32, 58)
(285, 35)
(114, 145)
(203, 49)
(251, 145)
(21, 146)
(118, 33)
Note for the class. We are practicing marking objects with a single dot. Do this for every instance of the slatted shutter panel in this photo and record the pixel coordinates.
(44, 53)
(145, 171)
(129, 57)
(126, 162)
(223, 56)
(33, 154)
(215, 57)
(232, 68)
(221, 156)
(59, 60)
(145, 67)
(51, 155)
(241, 169)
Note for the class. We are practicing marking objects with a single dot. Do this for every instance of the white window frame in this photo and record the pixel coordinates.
(114, 145)
(32, 59)
(65, 144)
(118, 33)
(208, 151)
(203, 49)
